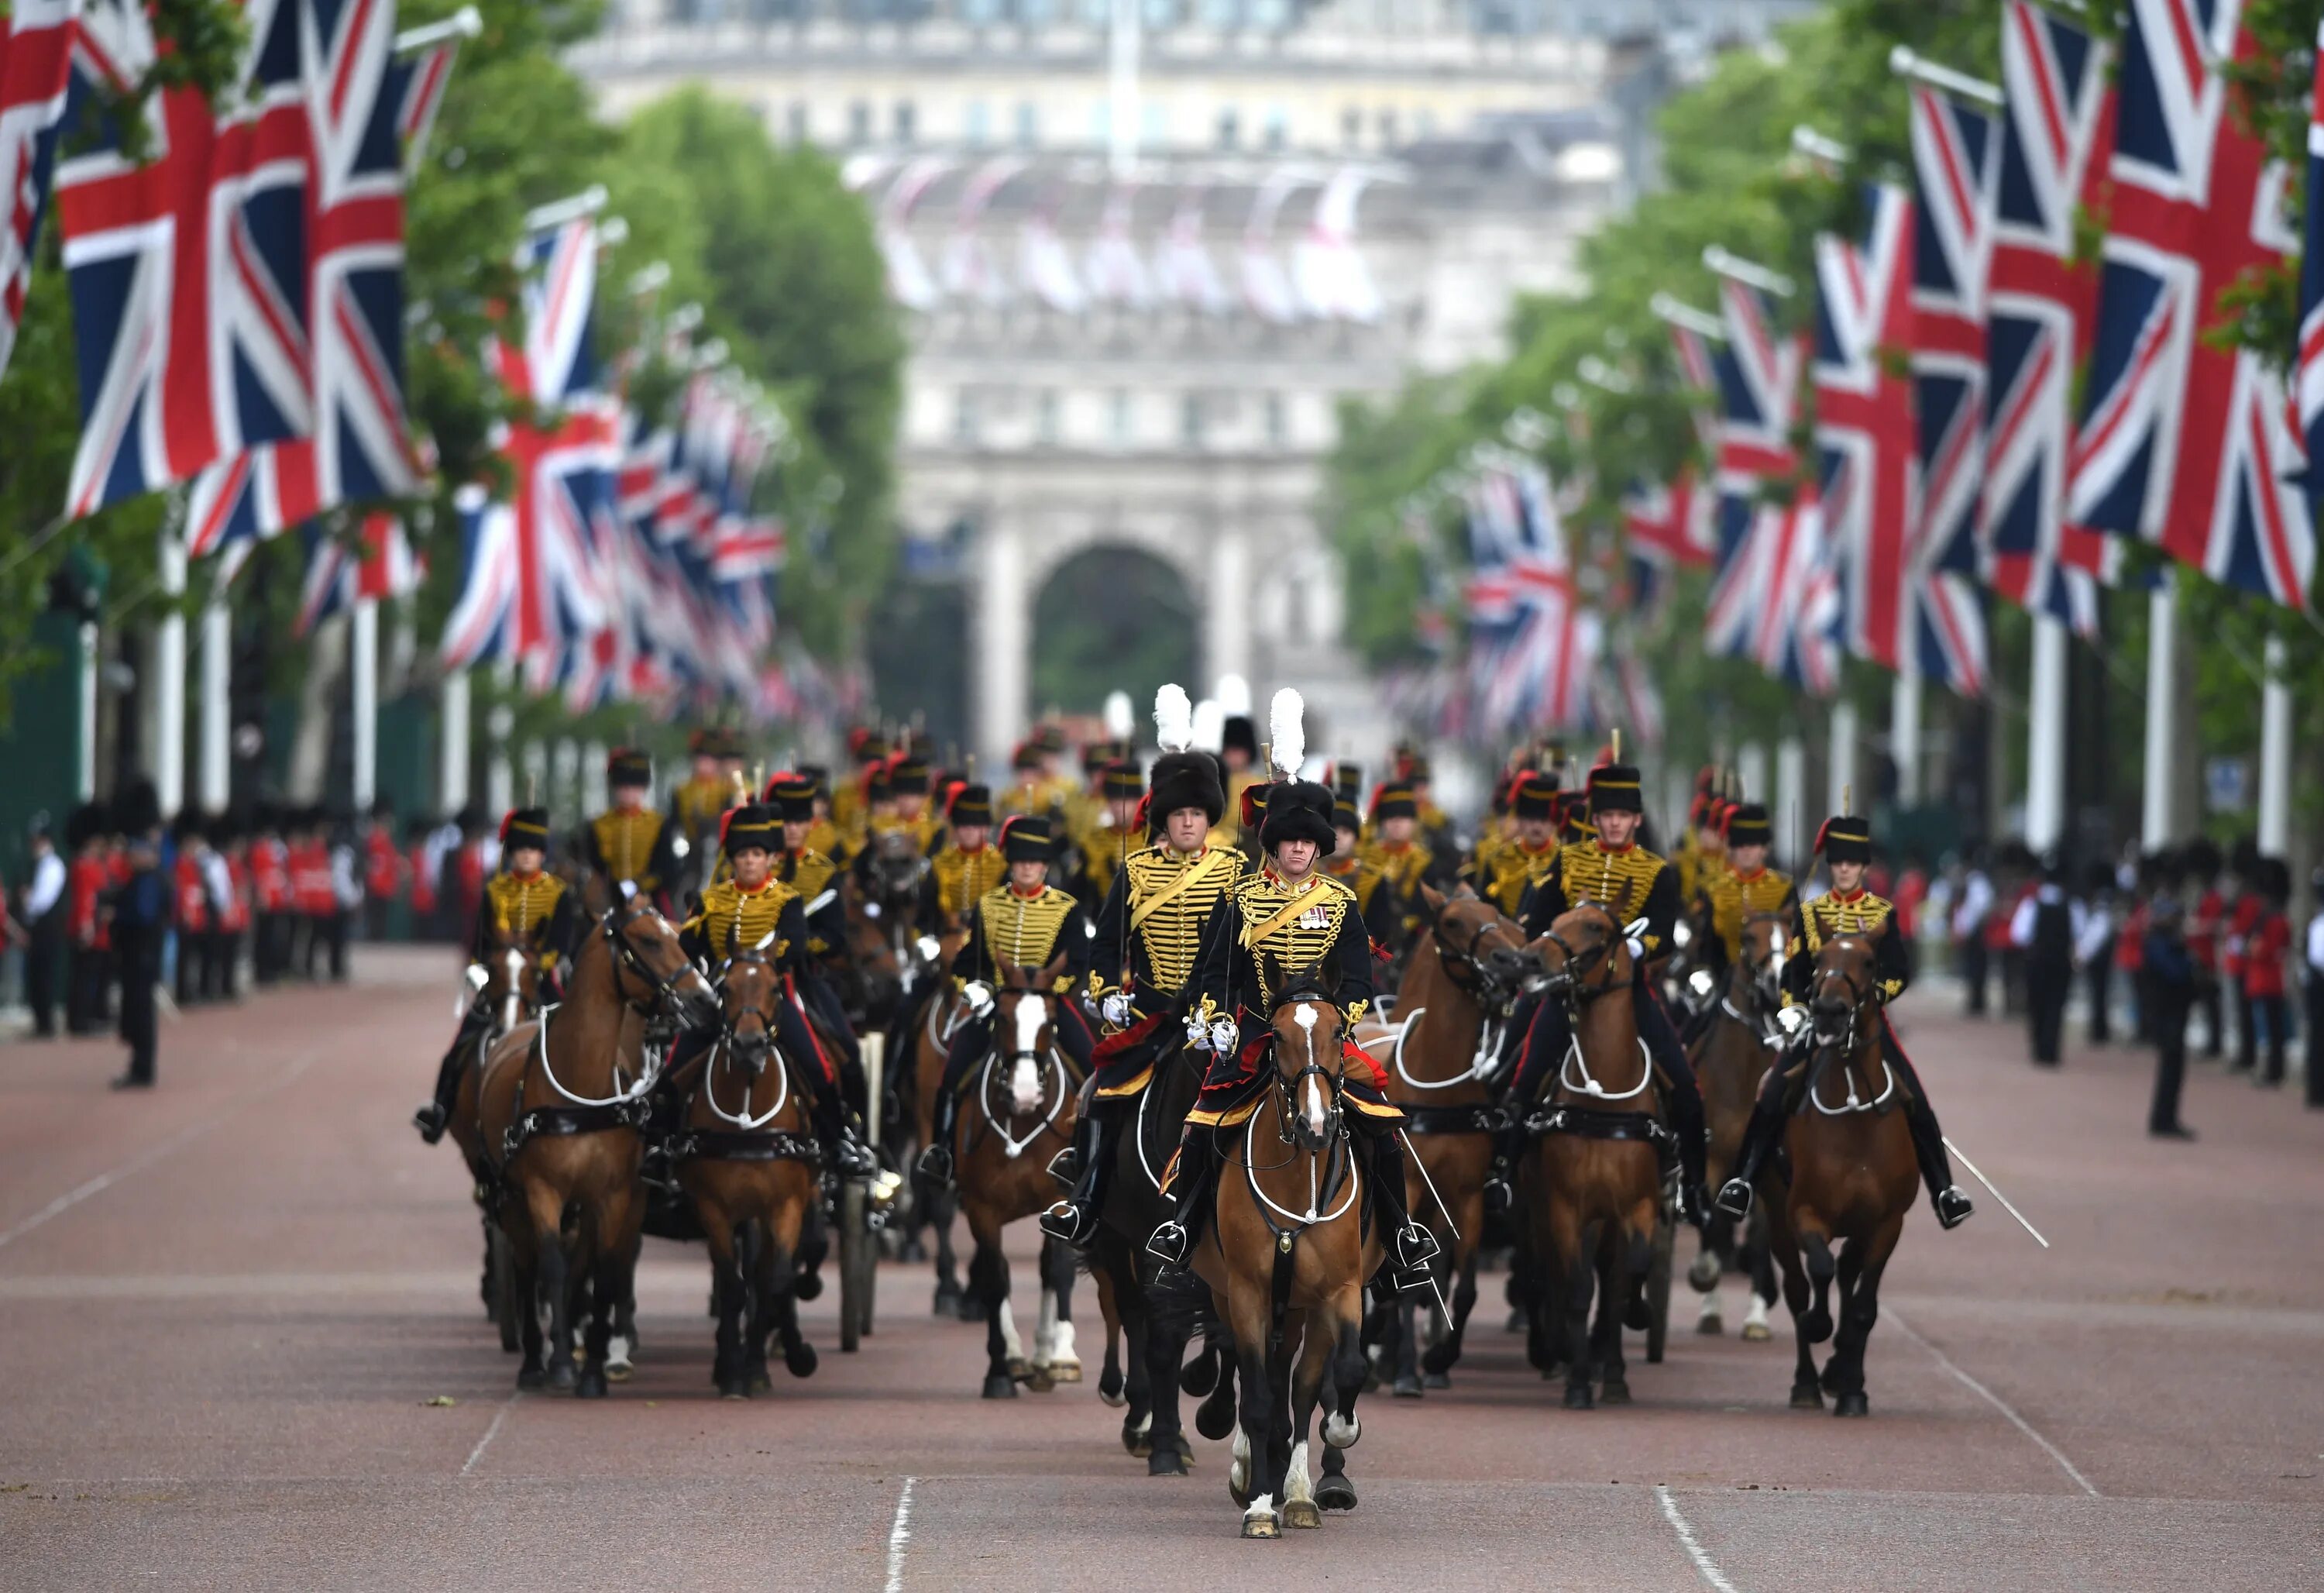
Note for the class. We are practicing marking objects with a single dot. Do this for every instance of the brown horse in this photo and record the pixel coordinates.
(1442, 1051)
(747, 1158)
(1730, 1060)
(558, 1104)
(1592, 1180)
(1286, 1261)
(1017, 1111)
(507, 984)
(1852, 1178)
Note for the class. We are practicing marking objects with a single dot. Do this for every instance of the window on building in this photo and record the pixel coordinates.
(1096, 14)
(1278, 420)
(1423, 123)
(1154, 124)
(1221, 14)
(1118, 419)
(965, 418)
(907, 118)
(1270, 16)
(979, 13)
(1045, 417)
(1230, 129)
(1029, 123)
(1036, 13)
(859, 122)
(1190, 420)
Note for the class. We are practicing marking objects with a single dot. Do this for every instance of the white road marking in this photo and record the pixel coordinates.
(491, 1432)
(1995, 1401)
(1707, 1567)
(899, 1536)
(147, 1158)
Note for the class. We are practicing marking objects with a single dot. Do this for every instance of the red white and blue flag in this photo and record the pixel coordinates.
(2307, 367)
(482, 626)
(36, 44)
(2186, 443)
(2042, 305)
(1757, 373)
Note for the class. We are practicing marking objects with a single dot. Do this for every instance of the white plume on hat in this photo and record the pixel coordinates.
(1234, 693)
(1118, 720)
(1174, 719)
(1287, 732)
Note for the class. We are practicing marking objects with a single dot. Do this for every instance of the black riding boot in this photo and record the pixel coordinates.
(1952, 1208)
(1410, 1246)
(433, 1118)
(1074, 1220)
(843, 1152)
(935, 1161)
(1686, 1123)
(1190, 1191)
(1500, 1178)
(1759, 1136)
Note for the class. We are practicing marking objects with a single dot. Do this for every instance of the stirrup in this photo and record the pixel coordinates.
(1953, 1207)
(432, 1120)
(935, 1164)
(1069, 1223)
(1169, 1244)
(1414, 1246)
(1065, 1166)
(1734, 1200)
(1501, 1192)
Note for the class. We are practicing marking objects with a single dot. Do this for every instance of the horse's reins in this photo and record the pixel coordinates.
(1011, 1145)
(1576, 997)
(1338, 1166)
(1491, 994)
(744, 1120)
(1844, 1047)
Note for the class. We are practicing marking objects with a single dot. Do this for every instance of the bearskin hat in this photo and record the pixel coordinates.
(1298, 811)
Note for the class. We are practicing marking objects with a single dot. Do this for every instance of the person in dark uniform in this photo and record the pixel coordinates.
(527, 904)
(1847, 909)
(42, 911)
(1261, 931)
(1733, 885)
(629, 840)
(1609, 867)
(1023, 922)
(138, 914)
(2045, 929)
(813, 875)
(2167, 974)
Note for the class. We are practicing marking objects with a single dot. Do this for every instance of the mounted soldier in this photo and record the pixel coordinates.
(629, 840)
(1504, 873)
(1640, 891)
(695, 807)
(1287, 922)
(1845, 843)
(967, 866)
(1142, 963)
(1109, 830)
(525, 908)
(1349, 865)
(1727, 895)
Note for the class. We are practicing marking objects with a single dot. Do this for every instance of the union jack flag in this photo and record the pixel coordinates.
(2058, 115)
(36, 41)
(482, 622)
(2183, 442)
(415, 88)
(2308, 367)
(189, 273)
(1954, 154)
(379, 564)
(1778, 602)
(1757, 371)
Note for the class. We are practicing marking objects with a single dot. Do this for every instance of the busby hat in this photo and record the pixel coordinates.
(1188, 780)
(1614, 788)
(698, 745)
(138, 809)
(726, 741)
(1747, 825)
(1348, 782)
(1028, 755)
(525, 827)
(1573, 813)
(867, 746)
(908, 776)
(1122, 783)
(1394, 800)
(1298, 810)
(1845, 837)
(970, 804)
(818, 777)
(878, 785)
(792, 796)
(2200, 858)
(1534, 796)
(1049, 736)
(1025, 839)
(1344, 816)
(1238, 734)
(83, 825)
(626, 765)
(751, 825)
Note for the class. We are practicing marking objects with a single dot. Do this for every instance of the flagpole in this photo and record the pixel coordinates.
(213, 762)
(1790, 792)
(500, 773)
(167, 737)
(1904, 737)
(2045, 736)
(2156, 830)
(462, 24)
(452, 764)
(1751, 771)
(2275, 754)
(1839, 773)
(363, 663)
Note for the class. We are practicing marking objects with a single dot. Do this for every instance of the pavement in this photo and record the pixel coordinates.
(240, 1347)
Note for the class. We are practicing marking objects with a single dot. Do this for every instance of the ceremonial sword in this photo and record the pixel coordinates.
(1998, 1195)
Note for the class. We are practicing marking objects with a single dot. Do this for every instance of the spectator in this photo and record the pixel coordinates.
(42, 916)
(2044, 930)
(2312, 977)
(2265, 949)
(1970, 914)
(2094, 946)
(2170, 984)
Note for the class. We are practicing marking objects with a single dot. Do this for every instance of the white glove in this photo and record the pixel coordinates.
(1638, 949)
(1198, 1032)
(978, 997)
(1792, 1019)
(1223, 1036)
(1116, 1008)
(1699, 982)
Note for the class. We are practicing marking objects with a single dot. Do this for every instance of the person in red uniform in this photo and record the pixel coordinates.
(2267, 948)
(269, 898)
(85, 885)
(229, 877)
(2249, 904)
(382, 869)
(190, 906)
(2203, 929)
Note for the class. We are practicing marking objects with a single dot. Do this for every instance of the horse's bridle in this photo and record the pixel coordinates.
(1566, 980)
(1465, 969)
(1758, 976)
(1858, 997)
(727, 1035)
(660, 988)
(1287, 1084)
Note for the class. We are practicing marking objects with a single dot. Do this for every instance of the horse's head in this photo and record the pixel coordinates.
(1841, 990)
(748, 985)
(651, 968)
(1310, 1058)
(511, 977)
(1584, 953)
(1022, 1031)
(898, 866)
(1766, 941)
(1482, 950)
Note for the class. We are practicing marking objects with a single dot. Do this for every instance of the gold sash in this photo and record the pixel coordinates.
(1208, 864)
(1307, 898)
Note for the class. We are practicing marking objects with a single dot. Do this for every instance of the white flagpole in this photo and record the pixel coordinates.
(2275, 754)
(2045, 736)
(166, 708)
(1791, 796)
(363, 663)
(1121, 102)
(452, 767)
(2156, 830)
(1904, 737)
(1839, 777)
(214, 762)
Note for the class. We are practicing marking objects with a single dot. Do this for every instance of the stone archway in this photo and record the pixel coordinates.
(1110, 617)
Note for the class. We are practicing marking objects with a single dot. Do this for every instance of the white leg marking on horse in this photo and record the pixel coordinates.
(1757, 1316)
(491, 1432)
(1016, 1346)
(1239, 1474)
(1709, 1311)
(1342, 1432)
(1145, 1424)
(1998, 1402)
(1298, 1485)
(1064, 1354)
(1261, 1508)
(619, 1348)
(1707, 1567)
(1045, 1335)
(899, 1536)
(139, 1163)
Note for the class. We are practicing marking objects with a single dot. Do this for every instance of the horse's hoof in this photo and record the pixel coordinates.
(1066, 1371)
(1198, 1376)
(1757, 1333)
(807, 1286)
(1617, 1392)
(1136, 1438)
(1167, 1462)
(530, 1377)
(1702, 1277)
(590, 1385)
(1407, 1387)
(1806, 1396)
(1816, 1325)
(1000, 1385)
(1302, 1513)
(1040, 1380)
(760, 1382)
(1435, 1380)
(1236, 1490)
(562, 1376)
(1712, 1326)
(969, 1308)
(1639, 1316)
(1334, 1492)
(799, 1359)
(1437, 1360)
(1851, 1404)
(947, 1301)
(1260, 1527)
(1829, 1381)
(1214, 1418)
(1109, 1388)
(1577, 1397)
